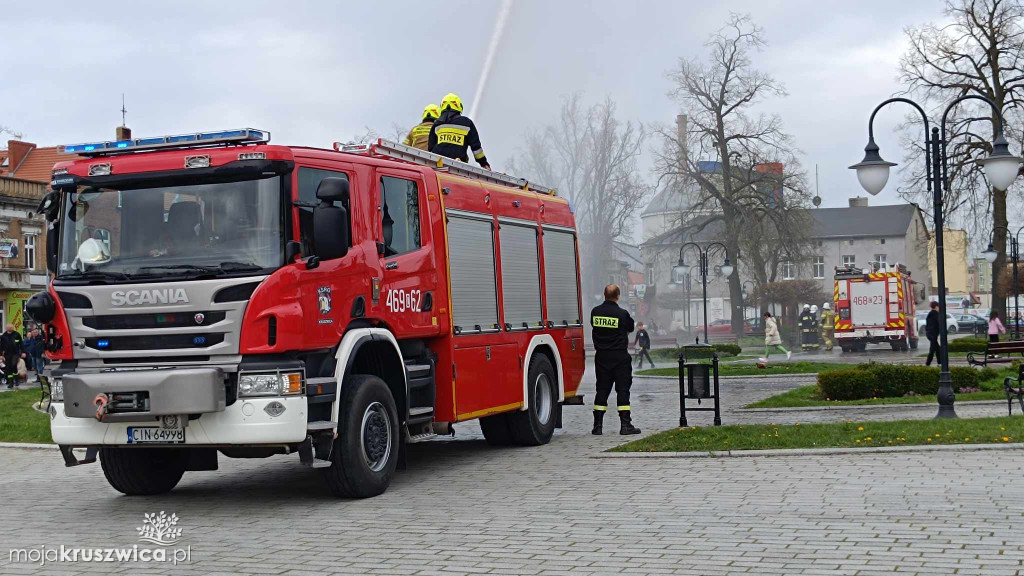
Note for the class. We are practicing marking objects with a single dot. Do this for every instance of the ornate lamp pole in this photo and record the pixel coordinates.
(683, 269)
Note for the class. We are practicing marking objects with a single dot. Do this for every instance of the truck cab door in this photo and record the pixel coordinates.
(406, 249)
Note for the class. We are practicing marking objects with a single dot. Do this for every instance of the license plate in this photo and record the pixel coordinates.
(155, 435)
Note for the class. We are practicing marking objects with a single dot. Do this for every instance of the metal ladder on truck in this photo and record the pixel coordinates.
(389, 149)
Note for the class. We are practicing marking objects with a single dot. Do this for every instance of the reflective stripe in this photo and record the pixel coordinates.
(624, 408)
(600, 408)
(478, 154)
(450, 134)
(455, 128)
(604, 322)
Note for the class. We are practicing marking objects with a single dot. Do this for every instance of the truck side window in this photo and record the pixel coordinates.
(309, 179)
(400, 215)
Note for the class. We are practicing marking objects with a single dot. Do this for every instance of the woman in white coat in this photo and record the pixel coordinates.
(772, 338)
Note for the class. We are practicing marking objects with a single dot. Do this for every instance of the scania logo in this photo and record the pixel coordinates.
(146, 297)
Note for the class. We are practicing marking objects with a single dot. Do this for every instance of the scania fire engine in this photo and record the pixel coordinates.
(215, 295)
(874, 307)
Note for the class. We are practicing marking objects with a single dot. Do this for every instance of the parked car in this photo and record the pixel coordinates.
(724, 328)
(971, 324)
(952, 326)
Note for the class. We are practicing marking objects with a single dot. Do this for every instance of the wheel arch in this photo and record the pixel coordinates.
(542, 344)
(372, 351)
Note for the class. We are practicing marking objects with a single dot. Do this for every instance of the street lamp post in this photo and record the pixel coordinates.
(1000, 169)
(990, 255)
(682, 269)
(746, 294)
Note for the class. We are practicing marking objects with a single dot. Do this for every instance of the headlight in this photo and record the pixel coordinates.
(56, 390)
(269, 384)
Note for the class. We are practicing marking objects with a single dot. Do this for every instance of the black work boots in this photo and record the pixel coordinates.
(626, 421)
(598, 423)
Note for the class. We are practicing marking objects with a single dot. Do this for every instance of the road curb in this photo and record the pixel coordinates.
(930, 406)
(27, 446)
(809, 376)
(811, 451)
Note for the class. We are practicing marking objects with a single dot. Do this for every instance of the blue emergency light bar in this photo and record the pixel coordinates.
(200, 139)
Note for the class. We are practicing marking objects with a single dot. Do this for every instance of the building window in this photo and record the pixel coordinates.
(882, 241)
(30, 251)
(849, 260)
(880, 262)
(819, 267)
(787, 270)
(850, 242)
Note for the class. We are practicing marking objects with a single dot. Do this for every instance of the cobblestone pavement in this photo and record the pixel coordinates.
(463, 507)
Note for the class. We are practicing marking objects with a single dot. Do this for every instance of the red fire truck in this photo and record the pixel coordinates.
(874, 307)
(215, 294)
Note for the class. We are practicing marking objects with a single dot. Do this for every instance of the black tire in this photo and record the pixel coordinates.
(913, 343)
(951, 329)
(143, 471)
(496, 430)
(365, 453)
(535, 425)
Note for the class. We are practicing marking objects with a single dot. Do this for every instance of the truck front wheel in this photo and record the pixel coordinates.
(365, 453)
(143, 471)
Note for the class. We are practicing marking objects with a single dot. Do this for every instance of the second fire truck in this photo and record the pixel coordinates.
(215, 295)
(874, 308)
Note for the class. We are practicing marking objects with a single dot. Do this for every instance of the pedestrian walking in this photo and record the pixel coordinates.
(995, 327)
(612, 362)
(35, 348)
(642, 342)
(772, 338)
(931, 331)
(11, 350)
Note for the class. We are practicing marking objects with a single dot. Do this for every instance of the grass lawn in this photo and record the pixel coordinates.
(19, 422)
(782, 367)
(808, 396)
(838, 434)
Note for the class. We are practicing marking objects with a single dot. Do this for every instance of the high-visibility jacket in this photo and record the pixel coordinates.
(828, 321)
(419, 136)
(452, 133)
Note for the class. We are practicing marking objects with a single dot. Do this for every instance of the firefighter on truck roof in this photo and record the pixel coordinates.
(419, 136)
(452, 133)
(612, 362)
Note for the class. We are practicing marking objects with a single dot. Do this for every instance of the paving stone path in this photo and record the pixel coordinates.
(465, 508)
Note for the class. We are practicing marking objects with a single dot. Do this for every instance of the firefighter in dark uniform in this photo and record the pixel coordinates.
(452, 133)
(808, 329)
(612, 363)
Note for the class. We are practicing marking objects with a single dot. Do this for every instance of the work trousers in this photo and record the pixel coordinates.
(933, 351)
(613, 368)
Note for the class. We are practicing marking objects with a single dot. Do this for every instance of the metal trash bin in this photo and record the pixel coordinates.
(698, 381)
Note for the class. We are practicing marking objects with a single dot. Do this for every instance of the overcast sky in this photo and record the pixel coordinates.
(316, 72)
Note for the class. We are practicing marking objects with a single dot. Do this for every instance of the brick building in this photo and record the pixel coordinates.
(25, 171)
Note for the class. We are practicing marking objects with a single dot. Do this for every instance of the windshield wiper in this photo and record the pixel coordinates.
(95, 275)
(193, 267)
(239, 267)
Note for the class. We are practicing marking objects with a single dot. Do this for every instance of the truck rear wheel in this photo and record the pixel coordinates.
(535, 425)
(365, 452)
(143, 471)
(496, 430)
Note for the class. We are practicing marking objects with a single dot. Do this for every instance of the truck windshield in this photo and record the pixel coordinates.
(228, 228)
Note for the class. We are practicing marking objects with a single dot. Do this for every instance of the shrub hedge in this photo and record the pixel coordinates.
(968, 345)
(891, 380)
(697, 352)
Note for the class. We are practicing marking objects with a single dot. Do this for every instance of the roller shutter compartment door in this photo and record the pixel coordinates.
(520, 276)
(471, 261)
(560, 278)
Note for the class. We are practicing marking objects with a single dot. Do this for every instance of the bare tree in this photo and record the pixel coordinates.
(979, 51)
(590, 156)
(746, 148)
(10, 131)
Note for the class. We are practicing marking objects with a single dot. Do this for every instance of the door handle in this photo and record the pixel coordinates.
(391, 266)
(428, 302)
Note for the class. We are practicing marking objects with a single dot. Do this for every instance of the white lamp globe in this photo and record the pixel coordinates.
(990, 253)
(872, 171)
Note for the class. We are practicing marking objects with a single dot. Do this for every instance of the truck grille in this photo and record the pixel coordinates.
(155, 342)
(147, 321)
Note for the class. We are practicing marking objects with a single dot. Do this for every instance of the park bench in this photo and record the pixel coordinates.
(992, 349)
(663, 342)
(1015, 391)
(45, 396)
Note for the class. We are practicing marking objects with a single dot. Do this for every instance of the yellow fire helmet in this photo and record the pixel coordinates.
(451, 101)
(431, 112)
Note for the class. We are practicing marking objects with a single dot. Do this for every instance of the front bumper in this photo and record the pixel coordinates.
(168, 392)
(246, 422)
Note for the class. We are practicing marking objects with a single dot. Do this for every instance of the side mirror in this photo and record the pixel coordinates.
(41, 307)
(49, 205)
(52, 245)
(330, 222)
